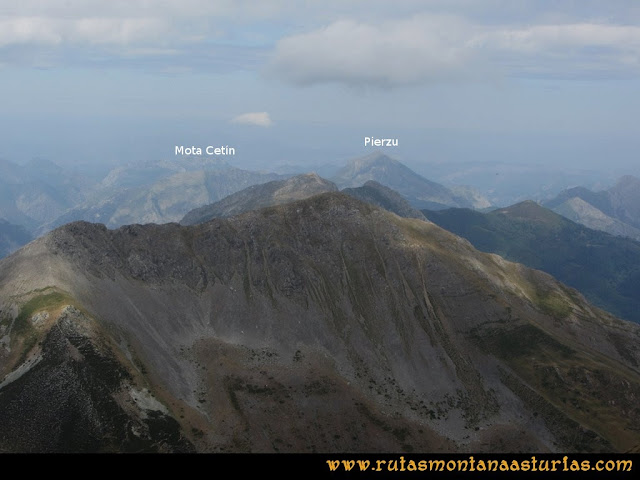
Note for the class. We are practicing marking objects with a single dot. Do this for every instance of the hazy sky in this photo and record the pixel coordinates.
(305, 81)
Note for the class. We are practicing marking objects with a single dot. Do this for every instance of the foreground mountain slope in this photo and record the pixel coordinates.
(321, 325)
(605, 268)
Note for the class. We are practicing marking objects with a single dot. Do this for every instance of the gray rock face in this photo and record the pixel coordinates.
(330, 325)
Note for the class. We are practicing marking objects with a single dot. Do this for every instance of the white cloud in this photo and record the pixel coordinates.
(260, 119)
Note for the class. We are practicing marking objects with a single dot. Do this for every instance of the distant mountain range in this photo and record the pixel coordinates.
(506, 183)
(605, 268)
(37, 192)
(322, 325)
(616, 210)
(166, 200)
(42, 196)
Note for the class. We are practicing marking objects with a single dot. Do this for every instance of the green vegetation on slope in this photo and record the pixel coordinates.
(604, 268)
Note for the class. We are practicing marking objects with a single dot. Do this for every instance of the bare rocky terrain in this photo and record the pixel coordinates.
(323, 325)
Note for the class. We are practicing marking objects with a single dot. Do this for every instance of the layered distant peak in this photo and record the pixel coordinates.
(616, 210)
(472, 196)
(12, 237)
(625, 200)
(533, 212)
(165, 200)
(599, 200)
(420, 192)
(376, 159)
(626, 182)
(373, 167)
(44, 166)
(377, 194)
(303, 186)
(259, 196)
(577, 210)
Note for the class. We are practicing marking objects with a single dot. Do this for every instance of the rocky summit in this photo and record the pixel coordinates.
(322, 325)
